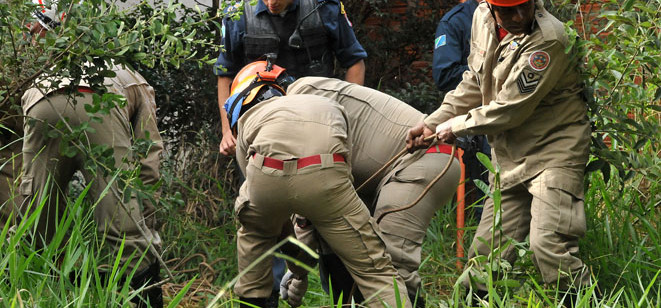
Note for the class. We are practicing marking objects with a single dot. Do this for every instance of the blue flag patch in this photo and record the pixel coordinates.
(440, 41)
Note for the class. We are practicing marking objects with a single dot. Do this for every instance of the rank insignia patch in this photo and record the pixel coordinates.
(440, 41)
(528, 81)
(539, 60)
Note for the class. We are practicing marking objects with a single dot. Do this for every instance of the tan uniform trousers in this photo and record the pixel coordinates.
(325, 195)
(404, 231)
(549, 208)
(43, 163)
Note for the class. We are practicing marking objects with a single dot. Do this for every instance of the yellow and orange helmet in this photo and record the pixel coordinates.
(255, 82)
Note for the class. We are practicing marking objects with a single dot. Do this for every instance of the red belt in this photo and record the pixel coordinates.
(442, 148)
(300, 162)
(81, 89)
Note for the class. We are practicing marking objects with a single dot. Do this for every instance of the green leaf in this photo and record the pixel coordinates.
(595, 165)
(627, 5)
(157, 27)
(180, 295)
(139, 56)
(508, 283)
(484, 159)
(68, 151)
(123, 51)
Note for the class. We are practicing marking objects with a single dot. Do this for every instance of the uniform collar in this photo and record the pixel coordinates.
(261, 7)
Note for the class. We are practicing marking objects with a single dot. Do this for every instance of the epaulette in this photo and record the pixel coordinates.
(552, 29)
(452, 12)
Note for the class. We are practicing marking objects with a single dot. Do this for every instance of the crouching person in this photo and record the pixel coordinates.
(52, 108)
(378, 124)
(47, 172)
(295, 153)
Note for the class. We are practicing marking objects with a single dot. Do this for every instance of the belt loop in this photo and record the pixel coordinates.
(258, 160)
(326, 161)
(290, 167)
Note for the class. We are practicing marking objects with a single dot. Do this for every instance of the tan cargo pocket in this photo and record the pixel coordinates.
(565, 210)
(25, 188)
(410, 174)
(476, 58)
(476, 62)
(241, 201)
(411, 232)
(370, 240)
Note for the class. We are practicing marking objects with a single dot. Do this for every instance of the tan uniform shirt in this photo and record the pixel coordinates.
(524, 93)
(290, 127)
(140, 111)
(378, 123)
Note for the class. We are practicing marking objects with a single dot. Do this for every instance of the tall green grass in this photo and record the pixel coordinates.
(64, 273)
(621, 248)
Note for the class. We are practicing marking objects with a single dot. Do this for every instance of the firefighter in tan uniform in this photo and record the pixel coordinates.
(47, 171)
(295, 153)
(378, 124)
(525, 93)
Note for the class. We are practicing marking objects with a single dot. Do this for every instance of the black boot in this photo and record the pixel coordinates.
(340, 279)
(272, 301)
(152, 296)
(569, 301)
(417, 300)
(255, 302)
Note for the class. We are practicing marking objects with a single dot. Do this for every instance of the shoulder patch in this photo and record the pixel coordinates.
(528, 81)
(539, 60)
(344, 12)
(513, 45)
(440, 41)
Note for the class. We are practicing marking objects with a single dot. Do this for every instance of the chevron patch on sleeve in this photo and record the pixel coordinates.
(528, 81)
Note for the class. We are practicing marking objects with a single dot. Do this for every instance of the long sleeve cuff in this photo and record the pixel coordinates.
(459, 126)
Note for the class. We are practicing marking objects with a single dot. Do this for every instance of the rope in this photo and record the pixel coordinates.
(425, 191)
(390, 162)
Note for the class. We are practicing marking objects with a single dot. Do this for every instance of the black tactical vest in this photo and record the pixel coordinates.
(266, 33)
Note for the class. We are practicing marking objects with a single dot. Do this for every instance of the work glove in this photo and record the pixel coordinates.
(292, 288)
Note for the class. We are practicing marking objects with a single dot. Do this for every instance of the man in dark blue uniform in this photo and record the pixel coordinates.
(305, 36)
(451, 49)
(452, 45)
